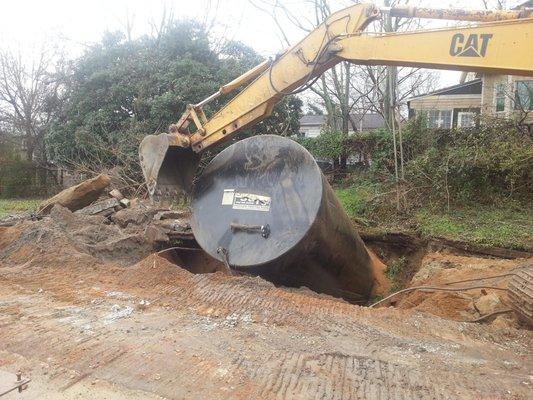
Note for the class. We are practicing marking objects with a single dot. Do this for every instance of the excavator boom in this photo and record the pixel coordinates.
(500, 42)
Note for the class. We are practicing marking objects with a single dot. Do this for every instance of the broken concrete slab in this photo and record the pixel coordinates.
(133, 216)
(101, 207)
(178, 225)
(171, 214)
(77, 197)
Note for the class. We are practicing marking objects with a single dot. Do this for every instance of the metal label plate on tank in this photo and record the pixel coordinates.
(227, 197)
(245, 201)
(250, 201)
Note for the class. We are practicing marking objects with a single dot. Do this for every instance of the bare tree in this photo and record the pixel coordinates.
(347, 88)
(494, 4)
(27, 92)
(160, 26)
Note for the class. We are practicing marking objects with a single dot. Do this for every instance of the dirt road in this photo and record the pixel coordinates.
(86, 329)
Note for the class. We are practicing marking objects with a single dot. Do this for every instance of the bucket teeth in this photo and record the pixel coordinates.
(520, 292)
(168, 169)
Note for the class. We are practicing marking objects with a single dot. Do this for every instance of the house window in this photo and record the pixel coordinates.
(524, 95)
(499, 97)
(440, 119)
(466, 119)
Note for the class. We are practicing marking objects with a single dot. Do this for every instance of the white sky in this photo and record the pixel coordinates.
(72, 23)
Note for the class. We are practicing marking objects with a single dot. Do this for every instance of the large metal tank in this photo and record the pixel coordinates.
(265, 202)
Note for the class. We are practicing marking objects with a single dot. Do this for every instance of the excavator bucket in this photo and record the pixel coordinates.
(168, 169)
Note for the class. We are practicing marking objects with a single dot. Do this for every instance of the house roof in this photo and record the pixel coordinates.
(527, 4)
(470, 87)
(312, 120)
(369, 121)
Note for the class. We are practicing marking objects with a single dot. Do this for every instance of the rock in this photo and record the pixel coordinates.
(101, 207)
(77, 197)
(176, 225)
(488, 303)
(503, 323)
(143, 304)
(125, 203)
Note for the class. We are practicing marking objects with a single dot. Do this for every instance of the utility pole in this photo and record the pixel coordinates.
(389, 109)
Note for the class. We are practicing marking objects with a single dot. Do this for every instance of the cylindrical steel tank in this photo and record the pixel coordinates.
(265, 201)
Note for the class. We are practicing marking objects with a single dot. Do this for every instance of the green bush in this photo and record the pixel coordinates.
(330, 144)
(483, 163)
(486, 163)
(21, 178)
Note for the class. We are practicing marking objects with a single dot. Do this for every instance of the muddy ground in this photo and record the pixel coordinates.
(87, 311)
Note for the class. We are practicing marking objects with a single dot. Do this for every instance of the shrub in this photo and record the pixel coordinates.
(482, 163)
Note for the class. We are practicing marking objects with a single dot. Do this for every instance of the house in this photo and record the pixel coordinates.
(508, 96)
(453, 106)
(495, 95)
(311, 125)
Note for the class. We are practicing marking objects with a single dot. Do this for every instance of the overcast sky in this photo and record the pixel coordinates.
(71, 23)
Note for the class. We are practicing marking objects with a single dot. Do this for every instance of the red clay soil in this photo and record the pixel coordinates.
(382, 285)
(439, 268)
(85, 327)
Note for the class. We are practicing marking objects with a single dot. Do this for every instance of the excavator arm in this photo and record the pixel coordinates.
(500, 42)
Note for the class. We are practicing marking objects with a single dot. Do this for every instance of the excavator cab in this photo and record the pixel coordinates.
(168, 168)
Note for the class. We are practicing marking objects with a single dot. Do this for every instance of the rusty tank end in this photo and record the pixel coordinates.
(265, 203)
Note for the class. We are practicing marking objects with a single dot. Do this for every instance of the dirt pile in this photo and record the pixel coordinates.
(72, 237)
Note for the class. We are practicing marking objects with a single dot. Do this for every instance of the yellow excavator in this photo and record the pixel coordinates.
(498, 42)
(262, 206)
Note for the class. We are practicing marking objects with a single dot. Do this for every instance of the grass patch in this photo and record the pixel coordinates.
(353, 201)
(357, 199)
(16, 206)
(394, 272)
(509, 227)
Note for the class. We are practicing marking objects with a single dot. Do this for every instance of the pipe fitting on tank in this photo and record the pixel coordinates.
(264, 230)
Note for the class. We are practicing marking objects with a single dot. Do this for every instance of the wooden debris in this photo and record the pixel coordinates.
(77, 197)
